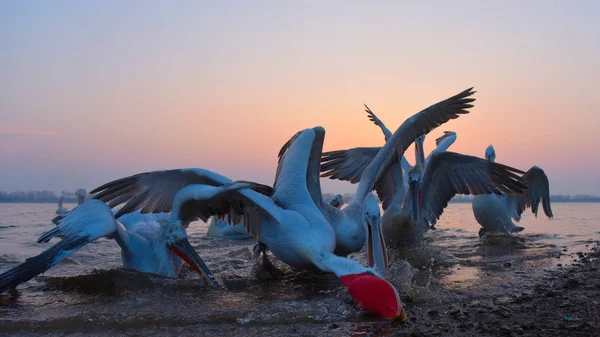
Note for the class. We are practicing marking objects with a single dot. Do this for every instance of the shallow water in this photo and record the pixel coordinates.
(89, 291)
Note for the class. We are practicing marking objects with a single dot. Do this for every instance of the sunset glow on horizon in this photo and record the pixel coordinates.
(94, 91)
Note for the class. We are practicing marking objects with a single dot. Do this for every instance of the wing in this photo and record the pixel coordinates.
(386, 132)
(442, 143)
(313, 182)
(415, 126)
(236, 202)
(290, 186)
(449, 173)
(86, 223)
(349, 164)
(538, 190)
(153, 191)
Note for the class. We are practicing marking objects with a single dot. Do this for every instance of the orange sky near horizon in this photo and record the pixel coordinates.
(95, 92)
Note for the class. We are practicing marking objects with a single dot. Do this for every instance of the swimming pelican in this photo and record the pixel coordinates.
(61, 209)
(408, 213)
(149, 243)
(222, 229)
(494, 212)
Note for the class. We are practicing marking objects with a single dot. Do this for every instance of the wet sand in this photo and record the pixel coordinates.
(302, 303)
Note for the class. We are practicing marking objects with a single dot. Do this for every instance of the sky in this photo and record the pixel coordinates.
(91, 91)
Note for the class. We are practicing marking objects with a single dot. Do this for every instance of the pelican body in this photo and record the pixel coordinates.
(149, 243)
(495, 213)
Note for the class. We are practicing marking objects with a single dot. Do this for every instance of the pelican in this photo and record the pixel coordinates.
(494, 212)
(432, 182)
(80, 193)
(61, 209)
(220, 228)
(286, 220)
(149, 243)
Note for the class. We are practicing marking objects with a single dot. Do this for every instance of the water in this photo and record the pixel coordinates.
(90, 292)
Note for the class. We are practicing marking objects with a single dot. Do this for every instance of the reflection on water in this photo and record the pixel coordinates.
(453, 261)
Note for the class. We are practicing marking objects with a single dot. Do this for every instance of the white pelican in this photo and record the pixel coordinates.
(432, 183)
(348, 223)
(287, 221)
(80, 193)
(494, 212)
(149, 243)
(61, 209)
(220, 228)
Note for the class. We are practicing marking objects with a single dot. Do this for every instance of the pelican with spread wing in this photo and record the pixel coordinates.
(494, 212)
(408, 212)
(287, 220)
(149, 243)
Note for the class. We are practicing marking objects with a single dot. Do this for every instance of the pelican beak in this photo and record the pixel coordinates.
(376, 250)
(419, 151)
(187, 253)
(401, 316)
(415, 203)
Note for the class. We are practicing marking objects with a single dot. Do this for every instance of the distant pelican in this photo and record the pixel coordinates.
(494, 212)
(61, 209)
(80, 193)
(149, 243)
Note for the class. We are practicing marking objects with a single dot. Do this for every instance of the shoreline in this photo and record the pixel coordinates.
(563, 302)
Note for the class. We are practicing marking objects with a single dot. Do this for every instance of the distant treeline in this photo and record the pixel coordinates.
(468, 198)
(50, 197)
(36, 196)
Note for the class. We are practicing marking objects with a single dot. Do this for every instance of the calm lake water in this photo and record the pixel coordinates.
(453, 261)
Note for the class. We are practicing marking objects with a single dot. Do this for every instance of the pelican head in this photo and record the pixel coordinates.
(337, 201)
(81, 194)
(177, 242)
(414, 176)
(374, 294)
(447, 134)
(376, 250)
(419, 152)
(490, 153)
